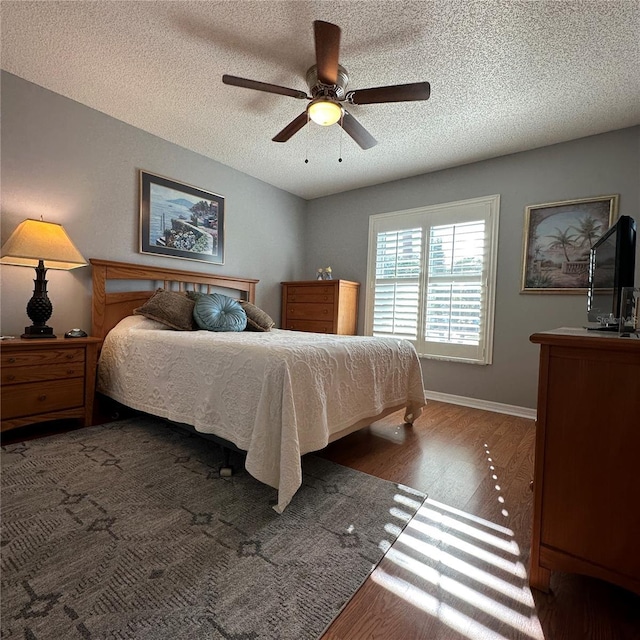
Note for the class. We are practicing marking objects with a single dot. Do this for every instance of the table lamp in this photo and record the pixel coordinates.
(43, 245)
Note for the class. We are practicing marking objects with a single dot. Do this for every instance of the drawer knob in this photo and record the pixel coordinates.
(12, 360)
(325, 311)
(42, 397)
(293, 298)
(69, 356)
(11, 377)
(69, 372)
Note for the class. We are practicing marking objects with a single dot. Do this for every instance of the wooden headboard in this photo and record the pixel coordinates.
(108, 308)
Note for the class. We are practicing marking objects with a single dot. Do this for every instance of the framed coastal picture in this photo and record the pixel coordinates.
(557, 240)
(180, 221)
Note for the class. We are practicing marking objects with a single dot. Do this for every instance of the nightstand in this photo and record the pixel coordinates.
(47, 379)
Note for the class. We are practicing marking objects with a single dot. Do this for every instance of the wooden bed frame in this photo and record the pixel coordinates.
(108, 308)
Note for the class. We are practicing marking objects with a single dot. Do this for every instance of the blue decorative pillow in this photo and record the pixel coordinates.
(215, 312)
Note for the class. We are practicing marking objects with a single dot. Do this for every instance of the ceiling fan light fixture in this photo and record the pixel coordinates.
(324, 112)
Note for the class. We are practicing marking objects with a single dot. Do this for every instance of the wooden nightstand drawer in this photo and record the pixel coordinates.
(41, 357)
(35, 397)
(60, 371)
(47, 379)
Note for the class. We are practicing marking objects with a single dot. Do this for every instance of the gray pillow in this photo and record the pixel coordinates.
(171, 308)
(257, 319)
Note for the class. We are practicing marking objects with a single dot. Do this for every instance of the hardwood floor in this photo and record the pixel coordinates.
(459, 569)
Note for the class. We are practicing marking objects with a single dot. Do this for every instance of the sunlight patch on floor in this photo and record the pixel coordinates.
(469, 516)
(400, 514)
(516, 568)
(448, 615)
(486, 578)
(407, 501)
(445, 521)
(501, 612)
(464, 570)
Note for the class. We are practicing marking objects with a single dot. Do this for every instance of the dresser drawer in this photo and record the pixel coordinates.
(314, 326)
(32, 398)
(312, 289)
(311, 297)
(59, 371)
(41, 357)
(304, 311)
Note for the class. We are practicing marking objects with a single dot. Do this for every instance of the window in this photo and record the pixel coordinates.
(431, 278)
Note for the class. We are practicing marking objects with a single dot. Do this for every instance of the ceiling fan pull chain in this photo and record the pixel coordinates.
(306, 160)
(341, 132)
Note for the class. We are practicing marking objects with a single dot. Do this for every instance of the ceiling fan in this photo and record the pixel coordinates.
(327, 81)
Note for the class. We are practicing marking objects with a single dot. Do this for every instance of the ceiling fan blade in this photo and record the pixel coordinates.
(327, 37)
(292, 128)
(393, 93)
(263, 86)
(364, 139)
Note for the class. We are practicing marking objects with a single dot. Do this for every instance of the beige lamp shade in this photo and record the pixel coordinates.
(35, 240)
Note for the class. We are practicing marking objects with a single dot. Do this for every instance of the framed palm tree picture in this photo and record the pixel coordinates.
(557, 239)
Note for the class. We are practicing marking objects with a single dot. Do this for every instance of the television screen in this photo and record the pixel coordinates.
(611, 267)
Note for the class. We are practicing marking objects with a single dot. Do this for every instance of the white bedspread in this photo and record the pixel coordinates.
(275, 395)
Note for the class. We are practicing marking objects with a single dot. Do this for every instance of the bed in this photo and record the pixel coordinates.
(274, 395)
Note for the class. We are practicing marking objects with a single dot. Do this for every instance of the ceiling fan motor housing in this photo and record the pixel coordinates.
(319, 90)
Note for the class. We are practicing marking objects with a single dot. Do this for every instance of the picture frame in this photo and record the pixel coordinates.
(179, 220)
(557, 239)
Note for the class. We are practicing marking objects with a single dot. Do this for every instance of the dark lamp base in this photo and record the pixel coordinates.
(38, 332)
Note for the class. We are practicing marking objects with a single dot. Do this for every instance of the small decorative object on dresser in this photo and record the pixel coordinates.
(321, 306)
(47, 379)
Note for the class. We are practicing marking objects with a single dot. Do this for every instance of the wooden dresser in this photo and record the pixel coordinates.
(321, 306)
(587, 458)
(47, 379)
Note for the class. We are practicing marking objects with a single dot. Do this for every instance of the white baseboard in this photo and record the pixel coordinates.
(486, 405)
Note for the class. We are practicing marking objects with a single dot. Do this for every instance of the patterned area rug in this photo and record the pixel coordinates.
(127, 530)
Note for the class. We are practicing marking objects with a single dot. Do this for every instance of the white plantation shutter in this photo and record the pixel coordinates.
(432, 278)
(397, 286)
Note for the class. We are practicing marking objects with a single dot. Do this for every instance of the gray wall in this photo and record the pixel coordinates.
(337, 234)
(79, 167)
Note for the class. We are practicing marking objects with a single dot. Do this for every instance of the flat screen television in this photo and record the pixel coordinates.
(612, 262)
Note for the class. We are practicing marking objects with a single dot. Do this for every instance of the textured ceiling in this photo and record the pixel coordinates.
(505, 77)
